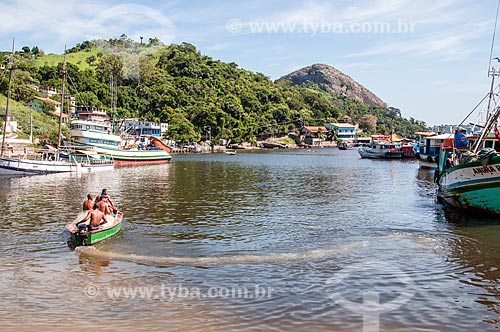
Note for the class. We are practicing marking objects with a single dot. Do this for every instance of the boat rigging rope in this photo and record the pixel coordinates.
(493, 39)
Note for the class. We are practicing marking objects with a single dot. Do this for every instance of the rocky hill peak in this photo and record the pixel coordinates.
(333, 80)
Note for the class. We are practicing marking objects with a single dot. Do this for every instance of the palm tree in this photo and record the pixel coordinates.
(332, 134)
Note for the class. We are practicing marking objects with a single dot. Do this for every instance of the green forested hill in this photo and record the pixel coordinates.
(191, 91)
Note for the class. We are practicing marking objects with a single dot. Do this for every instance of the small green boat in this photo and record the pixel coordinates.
(82, 236)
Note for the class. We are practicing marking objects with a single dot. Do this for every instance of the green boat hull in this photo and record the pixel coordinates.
(484, 199)
(84, 237)
(96, 236)
(471, 186)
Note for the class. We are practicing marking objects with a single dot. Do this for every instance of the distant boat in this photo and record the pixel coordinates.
(231, 153)
(429, 145)
(82, 236)
(98, 135)
(54, 161)
(20, 166)
(88, 159)
(345, 146)
(381, 150)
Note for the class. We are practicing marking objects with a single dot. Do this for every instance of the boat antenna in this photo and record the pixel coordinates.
(62, 99)
(493, 38)
(11, 70)
(492, 72)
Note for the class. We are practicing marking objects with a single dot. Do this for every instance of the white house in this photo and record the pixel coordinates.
(345, 131)
(91, 113)
(48, 91)
(139, 128)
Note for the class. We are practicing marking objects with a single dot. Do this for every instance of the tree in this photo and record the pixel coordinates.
(108, 66)
(368, 122)
(332, 134)
(181, 130)
(26, 49)
(321, 136)
(88, 98)
(90, 60)
(36, 51)
(153, 41)
(48, 108)
(346, 119)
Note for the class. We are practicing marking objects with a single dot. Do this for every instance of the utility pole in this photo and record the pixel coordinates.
(31, 124)
(11, 70)
(59, 138)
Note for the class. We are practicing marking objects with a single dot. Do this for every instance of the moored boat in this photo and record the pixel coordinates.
(429, 145)
(345, 146)
(381, 150)
(469, 181)
(88, 160)
(98, 135)
(468, 176)
(24, 166)
(82, 236)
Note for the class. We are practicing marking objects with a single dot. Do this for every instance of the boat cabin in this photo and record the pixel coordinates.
(93, 133)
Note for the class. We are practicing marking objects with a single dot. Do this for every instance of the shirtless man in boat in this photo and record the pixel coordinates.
(96, 216)
(104, 206)
(105, 196)
(89, 203)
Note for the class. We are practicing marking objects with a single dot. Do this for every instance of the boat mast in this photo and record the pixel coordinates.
(62, 100)
(11, 70)
(491, 115)
(113, 87)
(492, 72)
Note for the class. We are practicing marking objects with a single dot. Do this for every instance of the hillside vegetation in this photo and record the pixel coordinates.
(193, 92)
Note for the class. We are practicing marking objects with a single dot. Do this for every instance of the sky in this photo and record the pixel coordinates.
(428, 58)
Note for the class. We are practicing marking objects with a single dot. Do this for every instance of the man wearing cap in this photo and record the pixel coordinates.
(460, 142)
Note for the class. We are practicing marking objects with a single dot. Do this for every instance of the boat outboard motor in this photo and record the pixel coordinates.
(82, 230)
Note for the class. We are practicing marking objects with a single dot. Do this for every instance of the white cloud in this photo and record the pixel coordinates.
(59, 22)
(422, 11)
(448, 45)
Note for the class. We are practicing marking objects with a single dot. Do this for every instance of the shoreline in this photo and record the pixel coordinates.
(246, 147)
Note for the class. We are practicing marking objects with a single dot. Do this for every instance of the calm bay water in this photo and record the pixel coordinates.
(276, 241)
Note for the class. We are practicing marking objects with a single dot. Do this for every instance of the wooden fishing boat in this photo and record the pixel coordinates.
(381, 150)
(468, 176)
(82, 236)
(98, 136)
(473, 184)
(345, 146)
(20, 166)
(429, 145)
